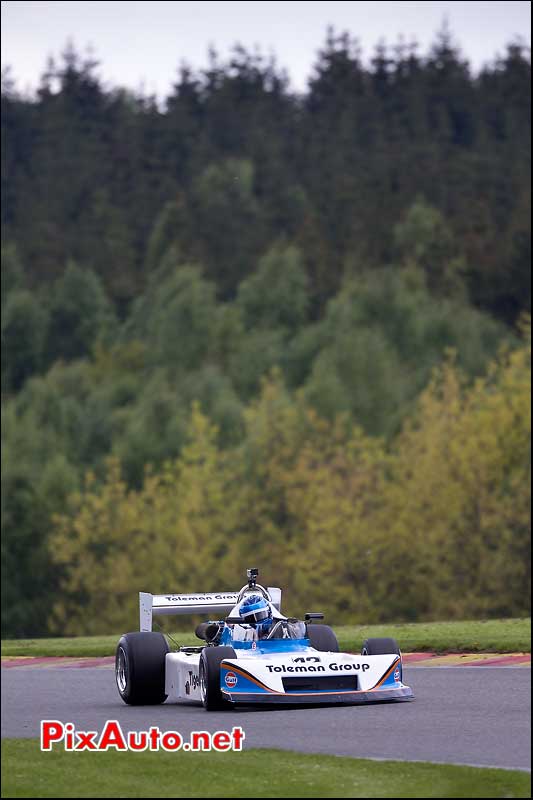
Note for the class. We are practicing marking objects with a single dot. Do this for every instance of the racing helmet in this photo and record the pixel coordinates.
(255, 610)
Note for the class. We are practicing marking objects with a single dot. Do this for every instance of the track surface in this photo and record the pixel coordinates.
(471, 715)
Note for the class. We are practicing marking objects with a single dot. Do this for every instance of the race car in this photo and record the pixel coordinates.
(254, 655)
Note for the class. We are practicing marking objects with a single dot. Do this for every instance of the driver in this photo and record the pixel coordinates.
(255, 611)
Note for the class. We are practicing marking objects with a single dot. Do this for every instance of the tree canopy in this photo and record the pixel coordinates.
(250, 322)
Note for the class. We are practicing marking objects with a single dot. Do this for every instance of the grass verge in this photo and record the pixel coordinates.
(486, 636)
(489, 636)
(28, 772)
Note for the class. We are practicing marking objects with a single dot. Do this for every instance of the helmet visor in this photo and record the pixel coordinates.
(261, 614)
(257, 615)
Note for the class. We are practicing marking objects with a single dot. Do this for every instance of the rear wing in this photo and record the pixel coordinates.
(217, 604)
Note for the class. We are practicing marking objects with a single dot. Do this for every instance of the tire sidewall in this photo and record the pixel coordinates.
(209, 672)
(144, 657)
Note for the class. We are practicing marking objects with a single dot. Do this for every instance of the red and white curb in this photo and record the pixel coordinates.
(467, 659)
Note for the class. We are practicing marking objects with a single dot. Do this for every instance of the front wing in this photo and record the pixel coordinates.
(314, 677)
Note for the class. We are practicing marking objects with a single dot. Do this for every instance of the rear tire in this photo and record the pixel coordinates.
(140, 668)
(321, 637)
(209, 673)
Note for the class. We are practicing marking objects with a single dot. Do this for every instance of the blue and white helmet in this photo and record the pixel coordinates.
(256, 611)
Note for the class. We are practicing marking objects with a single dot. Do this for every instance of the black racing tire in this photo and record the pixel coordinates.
(322, 637)
(209, 673)
(380, 647)
(140, 668)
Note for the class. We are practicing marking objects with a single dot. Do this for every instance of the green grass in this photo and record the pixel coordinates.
(28, 772)
(486, 636)
(78, 646)
(490, 636)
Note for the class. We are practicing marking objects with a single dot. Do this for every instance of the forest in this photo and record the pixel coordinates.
(245, 324)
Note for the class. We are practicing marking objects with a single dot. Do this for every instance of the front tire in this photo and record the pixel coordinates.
(322, 637)
(209, 673)
(140, 668)
(380, 647)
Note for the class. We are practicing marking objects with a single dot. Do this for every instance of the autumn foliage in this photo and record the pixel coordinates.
(435, 525)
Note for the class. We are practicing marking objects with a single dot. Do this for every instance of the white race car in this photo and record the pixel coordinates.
(290, 661)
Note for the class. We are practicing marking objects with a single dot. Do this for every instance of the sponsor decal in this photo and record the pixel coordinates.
(397, 675)
(176, 598)
(254, 645)
(193, 682)
(334, 667)
(230, 680)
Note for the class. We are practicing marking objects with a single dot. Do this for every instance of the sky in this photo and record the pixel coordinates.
(140, 44)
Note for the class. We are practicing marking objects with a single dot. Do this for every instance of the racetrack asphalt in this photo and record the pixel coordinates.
(469, 715)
